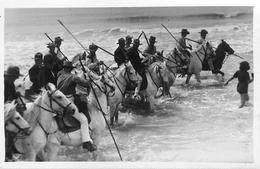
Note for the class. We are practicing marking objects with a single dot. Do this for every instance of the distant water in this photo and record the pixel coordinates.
(200, 124)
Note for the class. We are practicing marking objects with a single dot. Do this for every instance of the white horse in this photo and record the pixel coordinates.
(121, 77)
(173, 61)
(97, 108)
(39, 115)
(14, 122)
(196, 59)
(156, 75)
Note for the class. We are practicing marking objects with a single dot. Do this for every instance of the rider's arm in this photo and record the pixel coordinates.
(80, 81)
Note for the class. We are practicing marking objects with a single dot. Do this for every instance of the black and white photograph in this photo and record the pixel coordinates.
(121, 85)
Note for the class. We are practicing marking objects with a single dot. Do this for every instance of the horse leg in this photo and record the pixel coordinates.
(151, 102)
(116, 112)
(188, 78)
(198, 77)
(51, 149)
(112, 113)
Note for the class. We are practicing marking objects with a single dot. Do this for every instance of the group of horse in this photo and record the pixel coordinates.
(39, 125)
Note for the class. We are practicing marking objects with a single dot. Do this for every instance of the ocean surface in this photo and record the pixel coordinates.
(200, 123)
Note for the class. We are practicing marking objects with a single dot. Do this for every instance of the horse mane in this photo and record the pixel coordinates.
(33, 113)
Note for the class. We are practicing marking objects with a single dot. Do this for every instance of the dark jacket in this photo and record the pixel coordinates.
(10, 93)
(135, 60)
(46, 76)
(33, 74)
(58, 63)
(120, 56)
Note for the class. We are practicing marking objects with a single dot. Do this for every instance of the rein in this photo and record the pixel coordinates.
(100, 109)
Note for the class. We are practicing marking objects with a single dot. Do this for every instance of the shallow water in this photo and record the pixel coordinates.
(200, 123)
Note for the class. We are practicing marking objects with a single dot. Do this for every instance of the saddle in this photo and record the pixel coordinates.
(67, 123)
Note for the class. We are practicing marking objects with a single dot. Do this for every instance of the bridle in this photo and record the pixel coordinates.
(105, 91)
(126, 77)
(52, 99)
(160, 76)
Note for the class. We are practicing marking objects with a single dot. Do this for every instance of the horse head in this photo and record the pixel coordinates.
(58, 101)
(130, 74)
(224, 47)
(14, 122)
(158, 72)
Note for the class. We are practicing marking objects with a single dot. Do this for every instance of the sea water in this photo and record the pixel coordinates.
(200, 123)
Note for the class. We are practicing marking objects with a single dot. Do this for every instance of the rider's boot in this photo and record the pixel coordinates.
(211, 65)
(136, 95)
(87, 142)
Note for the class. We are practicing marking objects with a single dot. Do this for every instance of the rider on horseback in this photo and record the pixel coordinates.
(137, 63)
(150, 53)
(66, 83)
(182, 48)
(201, 42)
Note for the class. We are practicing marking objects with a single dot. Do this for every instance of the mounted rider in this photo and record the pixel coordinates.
(66, 83)
(201, 42)
(120, 54)
(46, 75)
(136, 61)
(128, 42)
(34, 71)
(182, 47)
(92, 62)
(57, 62)
(150, 53)
(58, 42)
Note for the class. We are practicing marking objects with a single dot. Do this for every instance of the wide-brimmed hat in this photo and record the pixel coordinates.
(58, 39)
(152, 39)
(121, 41)
(50, 45)
(185, 31)
(137, 42)
(12, 71)
(68, 64)
(203, 31)
(93, 47)
(128, 37)
(48, 58)
(38, 55)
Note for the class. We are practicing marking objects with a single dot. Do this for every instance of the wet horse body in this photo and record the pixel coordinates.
(221, 51)
(121, 77)
(97, 108)
(39, 115)
(175, 61)
(156, 75)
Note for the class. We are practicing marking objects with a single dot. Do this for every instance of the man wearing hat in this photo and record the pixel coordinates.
(201, 42)
(46, 74)
(10, 75)
(181, 44)
(58, 42)
(92, 62)
(150, 51)
(120, 53)
(66, 83)
(57, 62)
(128, 41)
(34, 71)
(136, 61)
